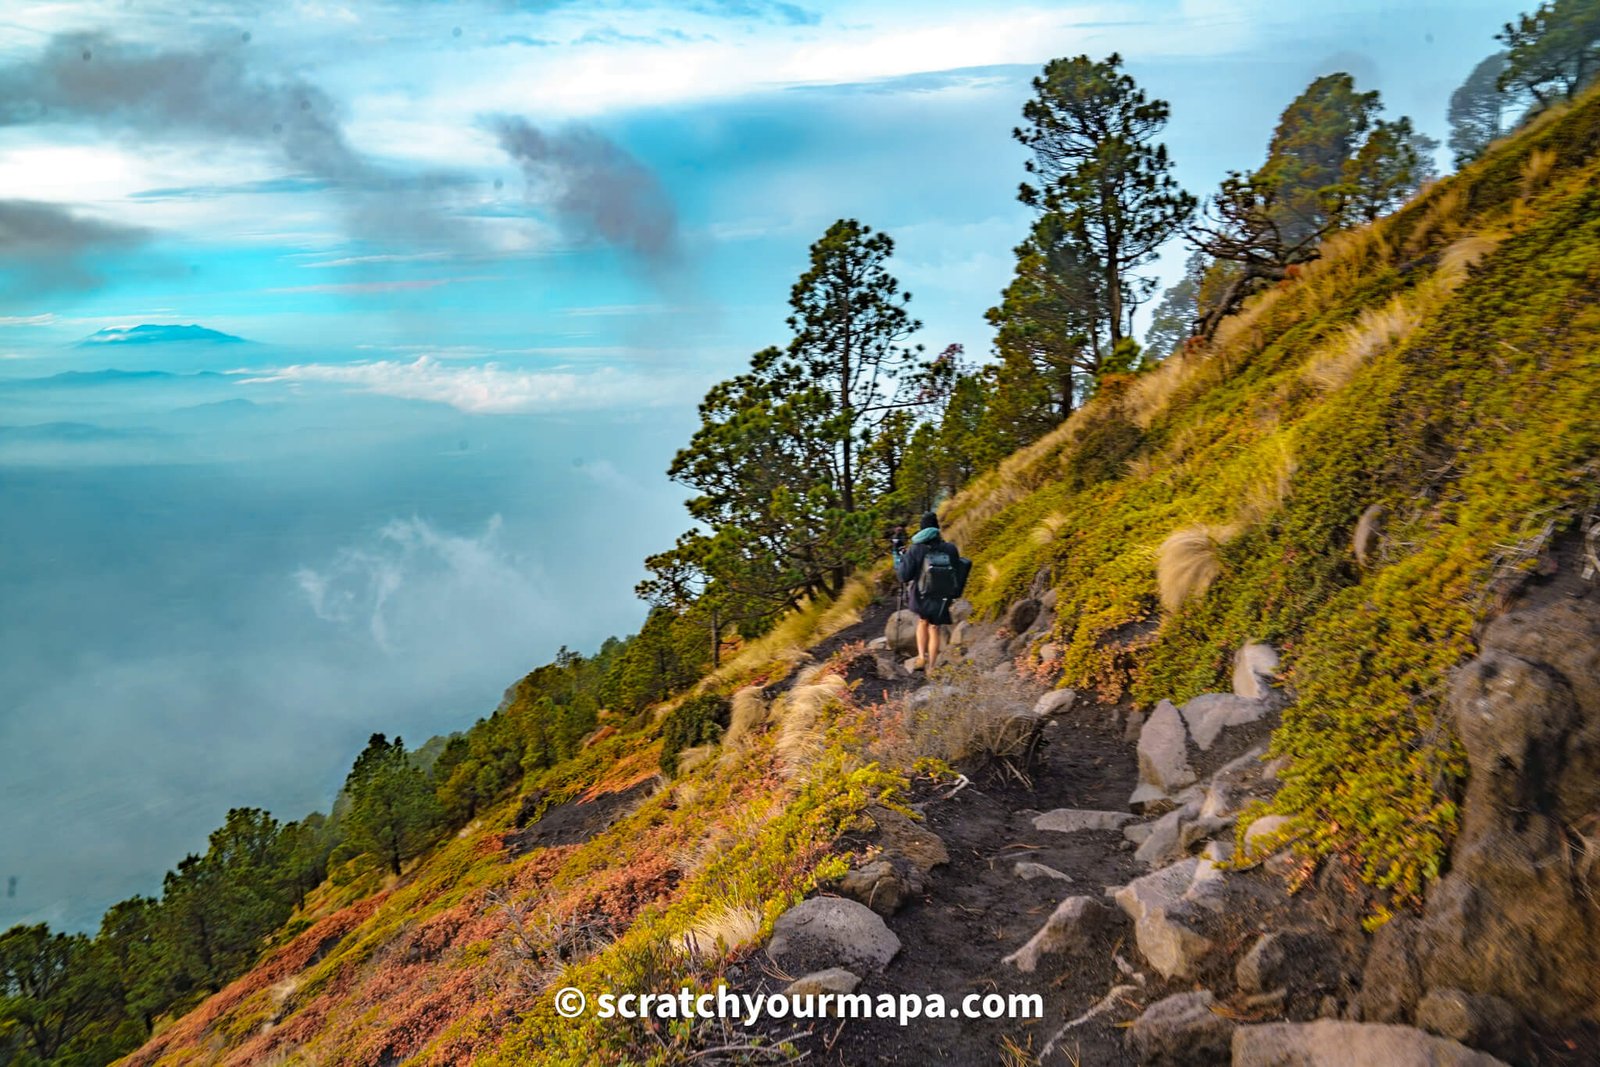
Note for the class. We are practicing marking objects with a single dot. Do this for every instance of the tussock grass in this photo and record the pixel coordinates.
(1375, 331)
(1187, 563)
(1536, 170)
(801, 717)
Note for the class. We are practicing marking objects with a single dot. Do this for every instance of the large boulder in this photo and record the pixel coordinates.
(901, 632)
(1072, 928)
(1254, 667)
(1163, 750)
(1181, 1031)
(825, 932)
(1517, 915)
(1163, 920)
(1209, 714)
(1328, 1043)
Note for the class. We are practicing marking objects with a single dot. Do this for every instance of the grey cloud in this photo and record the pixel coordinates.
(47, 248)
(217, 92)
(596, 188)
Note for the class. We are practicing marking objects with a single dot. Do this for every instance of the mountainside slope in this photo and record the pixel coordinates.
(1363, 463)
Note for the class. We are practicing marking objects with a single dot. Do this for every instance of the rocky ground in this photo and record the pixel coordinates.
(1087, 855)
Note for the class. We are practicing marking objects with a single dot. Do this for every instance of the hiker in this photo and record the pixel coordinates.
(932, 572)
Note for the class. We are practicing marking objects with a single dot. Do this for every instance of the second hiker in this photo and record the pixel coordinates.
(932, 572)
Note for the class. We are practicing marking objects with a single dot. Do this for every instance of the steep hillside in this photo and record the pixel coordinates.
(1367, 463)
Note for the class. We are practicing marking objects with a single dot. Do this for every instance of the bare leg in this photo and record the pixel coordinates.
(923, 641)
(935, 638)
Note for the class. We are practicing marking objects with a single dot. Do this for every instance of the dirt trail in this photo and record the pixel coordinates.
(977, 909)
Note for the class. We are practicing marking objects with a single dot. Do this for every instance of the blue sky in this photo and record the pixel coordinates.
(487, 255)
(318, 172)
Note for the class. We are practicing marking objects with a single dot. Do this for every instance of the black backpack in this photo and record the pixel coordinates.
(944, 574)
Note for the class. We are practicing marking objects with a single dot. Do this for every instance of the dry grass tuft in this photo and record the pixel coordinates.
(1457, 260)
(747, 711)
(1045, 531)
(1187, 564)
(1239, 329)
(1374, 332)
(1151, 393)
(722, 931)
(965, 714)
(1440, 220)
(799, 714)
(1536, 170)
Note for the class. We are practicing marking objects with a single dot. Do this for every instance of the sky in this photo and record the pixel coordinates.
(481, 259)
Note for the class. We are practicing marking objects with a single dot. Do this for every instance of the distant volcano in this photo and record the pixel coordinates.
(156, 334)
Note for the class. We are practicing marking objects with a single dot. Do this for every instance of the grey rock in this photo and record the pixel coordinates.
(1138, 832)
(833, 980)
(1162, 926)
(1163, 844)
(1301, 961)
(1072, 820)
(1202, 828)
(1514, 916)
(877, 643)
(901, 632)
(1048, 598)
(1478, 1021)
(961, 610)
(826, 932)
(884, 885)
(1181, 1031)
(1209, 714)
(930, 694)
(1329, 1043)
(898, 834)
(1149, 799)
(1020, 615)
(1256, 835)
(1163, 750)
(1071, 928)
(1134, 726)
(1254, 667)
(1027, 870)
(1056, 702)
(1392, 979)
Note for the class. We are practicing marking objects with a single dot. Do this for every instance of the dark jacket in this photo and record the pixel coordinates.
(909, 570)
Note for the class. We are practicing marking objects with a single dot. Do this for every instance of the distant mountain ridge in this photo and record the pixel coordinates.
(157, 333)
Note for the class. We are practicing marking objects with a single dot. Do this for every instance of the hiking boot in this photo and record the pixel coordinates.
(914, 664)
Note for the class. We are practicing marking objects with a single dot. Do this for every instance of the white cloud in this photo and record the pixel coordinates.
(27, 320)
(411, 580)
(490, 389)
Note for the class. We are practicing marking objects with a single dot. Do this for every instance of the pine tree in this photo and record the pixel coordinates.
(1478, 110)
(1552, 52)
(393, 813)
(1091, 131)
(1331, 163)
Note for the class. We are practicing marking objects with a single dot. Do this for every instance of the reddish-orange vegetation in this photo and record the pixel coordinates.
(299, 954)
